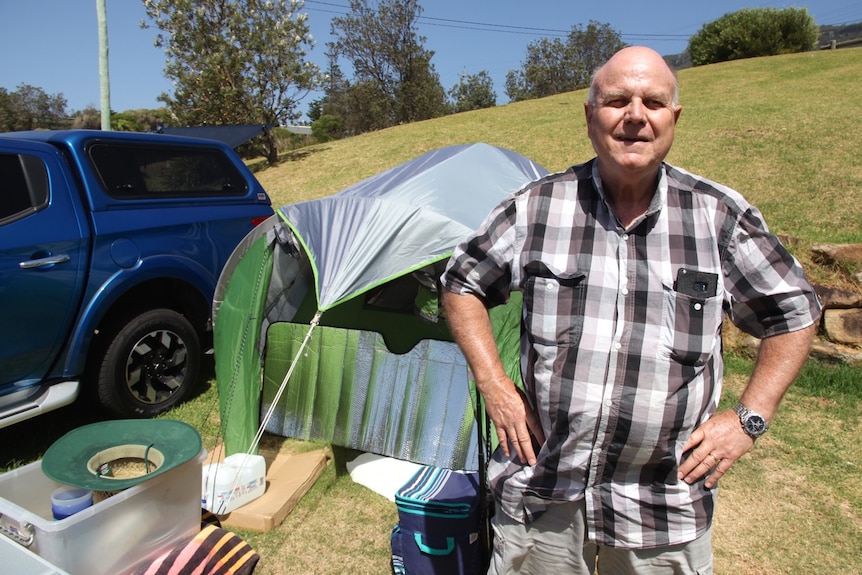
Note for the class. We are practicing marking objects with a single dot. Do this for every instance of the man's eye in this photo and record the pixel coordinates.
(616, 103)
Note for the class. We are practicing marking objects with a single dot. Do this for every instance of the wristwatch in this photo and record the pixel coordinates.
(752, 423)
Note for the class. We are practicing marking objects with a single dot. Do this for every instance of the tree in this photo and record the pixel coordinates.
(142, 120)
(473, 92)
(7, 116)
(553, 66)
(90, 118)
(315, 109)
(753, 32)
(545, 72)
(31, 108)
(326, 128)
(335, 101)
(394, 79)
(368, 108)
(235, 61)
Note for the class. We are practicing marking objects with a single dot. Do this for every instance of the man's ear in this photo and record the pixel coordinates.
(676, 113)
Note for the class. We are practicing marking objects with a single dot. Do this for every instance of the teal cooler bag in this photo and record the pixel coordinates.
(438, 524)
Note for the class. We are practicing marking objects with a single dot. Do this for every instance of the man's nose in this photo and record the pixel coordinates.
(635, 111)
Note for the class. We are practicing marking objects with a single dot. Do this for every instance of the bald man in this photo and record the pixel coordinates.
(610, 452)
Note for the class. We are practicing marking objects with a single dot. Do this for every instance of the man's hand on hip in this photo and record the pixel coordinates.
(713, 448)
(513, 419)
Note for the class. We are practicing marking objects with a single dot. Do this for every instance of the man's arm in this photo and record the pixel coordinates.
(513, 419)
(721, 439)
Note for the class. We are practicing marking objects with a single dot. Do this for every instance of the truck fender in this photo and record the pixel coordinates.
(122, 282)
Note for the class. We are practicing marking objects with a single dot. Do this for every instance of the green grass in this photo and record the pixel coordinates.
(835, 382)
(784, 131)
(802, 479)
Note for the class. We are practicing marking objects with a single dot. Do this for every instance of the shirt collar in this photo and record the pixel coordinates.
(658, 200)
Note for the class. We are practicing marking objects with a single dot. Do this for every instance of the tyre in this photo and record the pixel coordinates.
(152, 363)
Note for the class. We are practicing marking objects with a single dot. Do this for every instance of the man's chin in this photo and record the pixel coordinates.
(636, 162)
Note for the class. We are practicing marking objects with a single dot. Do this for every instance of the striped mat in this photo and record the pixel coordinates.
(213, 551)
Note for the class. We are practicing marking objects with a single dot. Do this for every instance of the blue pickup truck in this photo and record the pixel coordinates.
(111, 245)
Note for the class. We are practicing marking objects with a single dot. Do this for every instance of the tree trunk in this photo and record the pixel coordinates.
(271, 148)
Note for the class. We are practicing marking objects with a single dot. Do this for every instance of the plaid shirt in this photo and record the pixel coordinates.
(621, 350)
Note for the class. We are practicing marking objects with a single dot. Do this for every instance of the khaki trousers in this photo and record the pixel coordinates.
(555, 544)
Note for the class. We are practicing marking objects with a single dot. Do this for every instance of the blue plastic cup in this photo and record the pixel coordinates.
(66, 501)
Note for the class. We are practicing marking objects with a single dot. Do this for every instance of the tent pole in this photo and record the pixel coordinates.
(314, 322)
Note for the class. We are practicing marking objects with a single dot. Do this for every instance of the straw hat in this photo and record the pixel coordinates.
(115, 455)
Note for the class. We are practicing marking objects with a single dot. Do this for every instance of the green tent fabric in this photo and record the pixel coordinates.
(341, 294)
(238, 339)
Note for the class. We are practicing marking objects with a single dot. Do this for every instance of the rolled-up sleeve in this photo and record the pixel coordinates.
(770, 294)
(482, 264)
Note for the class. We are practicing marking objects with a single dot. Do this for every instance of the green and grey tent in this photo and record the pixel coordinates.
(326, 320)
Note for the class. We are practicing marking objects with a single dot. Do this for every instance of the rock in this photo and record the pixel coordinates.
(828, 351)
(838, 253)
(843, 325)
(839, 338)
(832, 297)
(734, 339)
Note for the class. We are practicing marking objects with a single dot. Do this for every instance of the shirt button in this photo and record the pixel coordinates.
(549, 287)
(617, 345)
(625, 291)
(625, 237)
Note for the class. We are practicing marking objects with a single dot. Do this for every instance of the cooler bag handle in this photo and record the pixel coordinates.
(450, 546)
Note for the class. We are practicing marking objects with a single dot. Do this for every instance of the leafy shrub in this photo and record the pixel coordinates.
(327, 127)
(753, 32)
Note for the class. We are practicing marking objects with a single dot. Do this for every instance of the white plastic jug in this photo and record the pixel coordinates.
(239, 479)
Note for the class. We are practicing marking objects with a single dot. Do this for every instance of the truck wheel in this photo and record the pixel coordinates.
(151, 364)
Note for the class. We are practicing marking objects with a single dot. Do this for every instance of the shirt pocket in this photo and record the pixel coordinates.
(691, 327)
(554, 305)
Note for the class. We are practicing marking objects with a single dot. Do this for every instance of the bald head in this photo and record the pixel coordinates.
(631, 117)
(632, 58)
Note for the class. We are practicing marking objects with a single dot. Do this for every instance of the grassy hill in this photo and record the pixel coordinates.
(783, 130)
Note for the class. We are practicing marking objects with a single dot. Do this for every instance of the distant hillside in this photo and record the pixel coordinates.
(839, 33)
(679, 61)
(827, 35)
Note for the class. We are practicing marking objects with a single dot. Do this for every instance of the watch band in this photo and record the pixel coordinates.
(752, 422)
(741, 410)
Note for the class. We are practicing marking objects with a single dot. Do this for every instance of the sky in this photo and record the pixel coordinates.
(53, 44)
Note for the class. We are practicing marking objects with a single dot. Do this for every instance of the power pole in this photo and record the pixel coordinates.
(104, 81)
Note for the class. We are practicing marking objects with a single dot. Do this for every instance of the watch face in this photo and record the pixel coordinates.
(755, 425)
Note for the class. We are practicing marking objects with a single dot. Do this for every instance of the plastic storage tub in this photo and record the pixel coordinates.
(112, 536)
(17, 560)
